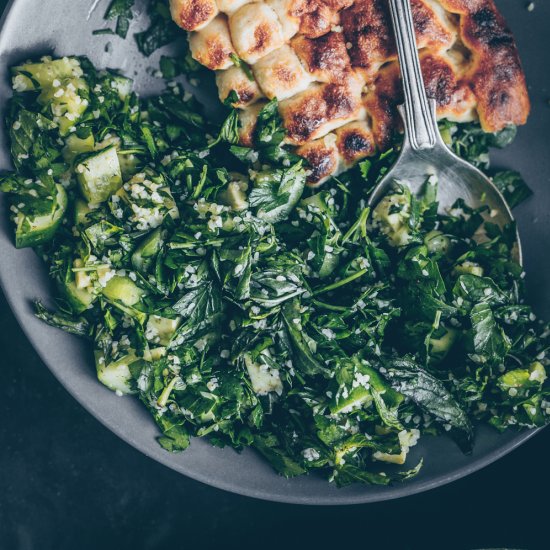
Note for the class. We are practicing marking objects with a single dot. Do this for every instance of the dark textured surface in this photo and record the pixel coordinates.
(66, 482)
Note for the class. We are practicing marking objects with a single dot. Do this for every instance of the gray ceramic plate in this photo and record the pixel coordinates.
(64, 27)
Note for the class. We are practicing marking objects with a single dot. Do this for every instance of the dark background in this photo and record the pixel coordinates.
(66, 482)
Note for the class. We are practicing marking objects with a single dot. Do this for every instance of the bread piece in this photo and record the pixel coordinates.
(332, 65)
(320, 109)
(369, 33)
(322, 157)
(193, 15)
(326, 58)
(443, 81)
(212, 45)
(256, 31)
(231, 6)
(280, 74)
(317, 18)
(289, 13)
(235, 79)
(355, 141)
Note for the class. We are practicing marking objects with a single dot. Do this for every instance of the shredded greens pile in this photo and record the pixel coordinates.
(240, 305)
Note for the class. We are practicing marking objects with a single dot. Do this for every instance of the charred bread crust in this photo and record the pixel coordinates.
(332, 65)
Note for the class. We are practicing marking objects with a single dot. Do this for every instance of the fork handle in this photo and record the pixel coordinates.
(419, 112)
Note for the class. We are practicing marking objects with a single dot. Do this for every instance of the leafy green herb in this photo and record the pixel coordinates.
(172, 67)
(80, 327)
(101, 32)
(121, 10)
(489, 340)
(269, 135)
(267, 446)
(238, 62)
(431, 396)
(512, 186)
(276, 192)
(229, 131)
(472, 143)
(176, 436)
(237, 304)
(162, 30)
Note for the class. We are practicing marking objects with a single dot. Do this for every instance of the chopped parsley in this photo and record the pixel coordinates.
(161, 31)
(241, 306)
(121, 10)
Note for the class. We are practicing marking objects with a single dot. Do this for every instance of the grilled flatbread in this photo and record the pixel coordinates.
(332, 65)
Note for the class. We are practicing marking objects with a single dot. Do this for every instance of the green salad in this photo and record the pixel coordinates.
(240, 305)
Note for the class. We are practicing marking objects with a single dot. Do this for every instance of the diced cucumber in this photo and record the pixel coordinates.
(65, 103)
(122, 85)
(356, 399)
(351, 386)
(99, 175)
(537, 372)
(470, 268)
(437, 242)
(123, 290)
(59, 81)
(154, 354)
(75, 146)
(78, 292)
(390, 458)
(534, 376)
(161, 329)
(81, 278)
(407, 439)
(81, 211)
(392, 215)
(79, 299)
(235, 196)
(207, 417)
(32, 229)
(34, 76)
(129, 163)
(440, 346)
(124, 294)
(144, 256)
(116, 375)
(263, 379)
